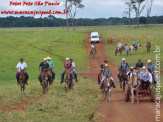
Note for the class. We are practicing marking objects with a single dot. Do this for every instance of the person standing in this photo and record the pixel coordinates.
(126, 48)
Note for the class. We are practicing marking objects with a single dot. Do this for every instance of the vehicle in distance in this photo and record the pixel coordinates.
(95, 38)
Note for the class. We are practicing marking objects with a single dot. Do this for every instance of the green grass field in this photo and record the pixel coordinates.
(36, 43)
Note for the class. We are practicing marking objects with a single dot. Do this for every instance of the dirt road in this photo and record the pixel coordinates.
(117, 110)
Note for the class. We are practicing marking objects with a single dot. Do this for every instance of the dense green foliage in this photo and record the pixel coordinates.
(52, 21)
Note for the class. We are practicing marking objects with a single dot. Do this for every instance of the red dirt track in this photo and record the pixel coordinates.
(118, 110)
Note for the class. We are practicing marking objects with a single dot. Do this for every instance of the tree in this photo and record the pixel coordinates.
(66, 8)
(128, 12)
(138, 8)
(149, 9)
(73, 6)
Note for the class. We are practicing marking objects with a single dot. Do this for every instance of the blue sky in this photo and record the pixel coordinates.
(93, 8)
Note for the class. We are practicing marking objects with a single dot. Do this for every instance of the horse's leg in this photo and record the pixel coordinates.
(109, 94)
(132, 94)
(121, 84)
(137, 95)
(124, 84)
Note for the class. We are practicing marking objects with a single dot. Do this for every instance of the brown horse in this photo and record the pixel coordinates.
(67, 81)
(120, 50)
(22, 80)
(44, 80)
(122, 78)
(106, 89)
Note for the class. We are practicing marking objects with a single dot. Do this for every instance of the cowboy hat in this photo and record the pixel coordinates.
(49, 58)
(123, 59)
(149, 61)
(45, 59)
(106, 65)
(67, 58)
(143, 67)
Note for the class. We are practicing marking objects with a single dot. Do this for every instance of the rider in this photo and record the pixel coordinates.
(134, 44)
(144, 77)
(119, 45)
(67, 65)
(106, 73)
(102, 68)
(43, 65)
(150, 66)
(73, 69)
(51, 65)
(139, 65)
(124, 66)
(129, 74)
(21, 66)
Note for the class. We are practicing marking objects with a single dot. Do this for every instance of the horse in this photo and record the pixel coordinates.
(120, 50)
(131, 48)
(106, 89)
(93, 52)
(67, 81)
(45, 80)
(135, 83)
(122, 78)
(22, 80)
(148, 47)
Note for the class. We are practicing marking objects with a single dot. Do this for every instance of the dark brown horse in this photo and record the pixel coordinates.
(67, 81)
(122, 78)
(45, 80)
(120, 50)
(22, 80)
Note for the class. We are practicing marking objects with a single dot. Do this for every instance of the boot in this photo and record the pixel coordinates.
(114, 85)
(101, 86)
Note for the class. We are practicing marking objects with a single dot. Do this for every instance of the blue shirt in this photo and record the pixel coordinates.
(144, 77)
(124, 66)
(152, 67)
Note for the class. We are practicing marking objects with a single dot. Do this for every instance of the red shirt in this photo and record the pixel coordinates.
(68, 65)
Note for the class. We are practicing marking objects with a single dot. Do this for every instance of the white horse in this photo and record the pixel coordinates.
(134, 87)
(131, 48)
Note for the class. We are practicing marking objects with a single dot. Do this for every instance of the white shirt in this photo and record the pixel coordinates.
(119, 45)
(150, 77)
(92, 46)
(21, 66)
(73, 64)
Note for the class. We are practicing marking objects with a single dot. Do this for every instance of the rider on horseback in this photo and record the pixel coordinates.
(51, 65)
(21, 66)
(139, 65)
(106, 72)
(67, 65)
(73, 69)
(43, 65)
(150, 66)
(119, 45)
(134, 44)
(102, 69)
(129, 74)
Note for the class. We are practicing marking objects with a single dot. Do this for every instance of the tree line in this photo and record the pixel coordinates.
(52, 21)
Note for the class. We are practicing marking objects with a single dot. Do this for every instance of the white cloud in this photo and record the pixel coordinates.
(158, 3)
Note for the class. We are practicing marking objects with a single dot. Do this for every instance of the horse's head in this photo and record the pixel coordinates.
(67, 74)
(135, 80)
(139, 44)
(21, 76)
(45, 75)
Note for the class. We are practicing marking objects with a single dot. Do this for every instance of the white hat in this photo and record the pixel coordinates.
(132, 67)
(143, 67)
(149, 61)
(106, 65)
(45, 59)
(49, 58)
(67, 58)
(123, 59)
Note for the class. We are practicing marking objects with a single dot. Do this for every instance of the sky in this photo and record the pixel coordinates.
(93, 8)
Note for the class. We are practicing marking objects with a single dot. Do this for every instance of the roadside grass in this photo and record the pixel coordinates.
(76, 105)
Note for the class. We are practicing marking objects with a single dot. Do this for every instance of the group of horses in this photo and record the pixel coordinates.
(132, 89)
(47, 81)
(131, 49)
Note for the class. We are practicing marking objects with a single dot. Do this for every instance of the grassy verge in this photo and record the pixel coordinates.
(56, 105)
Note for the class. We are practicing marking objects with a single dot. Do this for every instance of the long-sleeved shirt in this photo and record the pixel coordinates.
(144, 77)
(106, 72)
(152, 67)
(124, 66)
